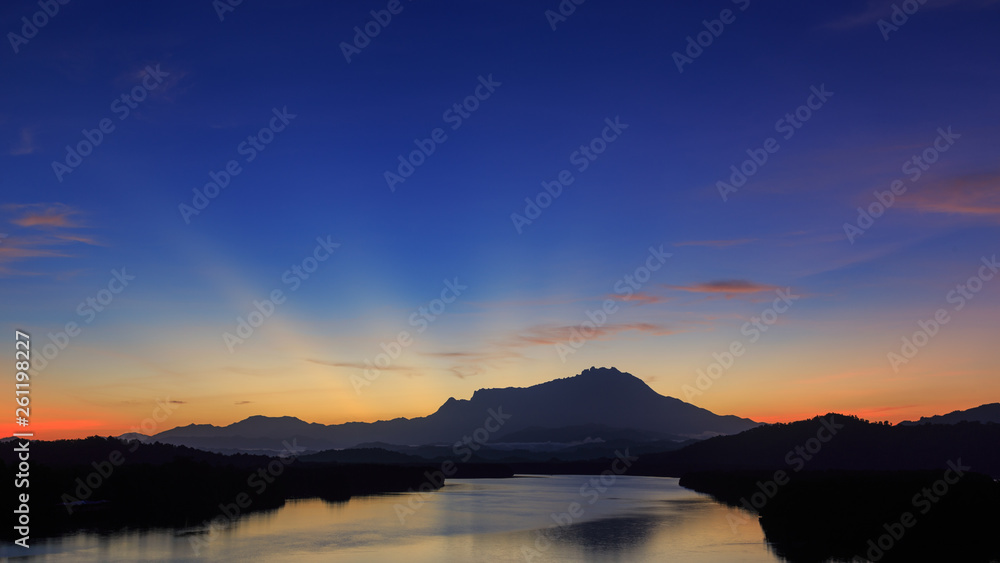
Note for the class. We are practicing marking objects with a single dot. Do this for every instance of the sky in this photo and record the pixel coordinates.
(353, 211)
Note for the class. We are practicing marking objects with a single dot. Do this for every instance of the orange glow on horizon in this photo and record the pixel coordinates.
(77, 428)
(63, 428)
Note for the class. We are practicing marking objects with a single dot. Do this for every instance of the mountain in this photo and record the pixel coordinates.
(835, 487)
(597, 398)
(983, 413)
(835, 442)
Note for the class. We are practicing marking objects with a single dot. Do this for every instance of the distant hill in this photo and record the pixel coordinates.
(857, 445)
(582, 434)
(598, 397)
(66, 453)
(983, 413)
(824, 496)
(364, 455)
(840, 515)
(106, 484)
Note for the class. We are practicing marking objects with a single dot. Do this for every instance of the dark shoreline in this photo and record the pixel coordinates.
(160, 486)
(883, 516)
(810, 516)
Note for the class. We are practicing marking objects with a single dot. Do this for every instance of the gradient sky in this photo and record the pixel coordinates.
(161, 337)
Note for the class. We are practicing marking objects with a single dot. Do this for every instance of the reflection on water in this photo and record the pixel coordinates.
(608, 535)
(563, 518)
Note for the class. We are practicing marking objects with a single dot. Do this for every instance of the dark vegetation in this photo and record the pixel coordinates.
(845, 490)
(859, 445)
(157, 485)
(880, 516)
(848, 500)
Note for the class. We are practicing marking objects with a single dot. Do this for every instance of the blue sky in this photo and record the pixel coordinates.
(655, 184)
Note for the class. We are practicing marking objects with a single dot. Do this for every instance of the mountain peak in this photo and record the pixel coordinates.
(258, 417)
(595, 371)
(611, 373)
(610, 376)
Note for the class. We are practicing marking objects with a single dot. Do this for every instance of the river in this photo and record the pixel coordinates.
(634, 519)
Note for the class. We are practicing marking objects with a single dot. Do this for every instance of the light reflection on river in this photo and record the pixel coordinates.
(636, 519)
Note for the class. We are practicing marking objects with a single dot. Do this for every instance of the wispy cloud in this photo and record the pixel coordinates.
(361, 365)
(69, 237)
(263, 372)
(726, 288)
(639, 298)
(544, 335)
(17, 248)
(467, 364)
(977, 194)
(43, 215)
(716, 243)
(513, 346)
(356, 365)
(542, 302)
(46, 230)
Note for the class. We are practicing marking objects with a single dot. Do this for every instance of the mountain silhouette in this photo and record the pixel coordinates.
(983, 413)
(604, 397)
(856, 444)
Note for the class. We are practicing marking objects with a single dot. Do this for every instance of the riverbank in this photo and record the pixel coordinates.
(882, 516)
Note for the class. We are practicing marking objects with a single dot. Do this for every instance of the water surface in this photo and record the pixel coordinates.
(634, 519)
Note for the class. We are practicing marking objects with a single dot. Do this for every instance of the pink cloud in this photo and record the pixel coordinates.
(639, 297)
(43, 215)
(716, 243)
(966, 195)
(729, 288)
